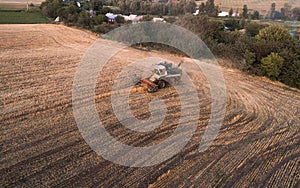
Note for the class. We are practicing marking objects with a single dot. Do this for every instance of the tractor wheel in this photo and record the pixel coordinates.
(161, 84)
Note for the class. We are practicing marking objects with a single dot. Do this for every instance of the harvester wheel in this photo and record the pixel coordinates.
(161, 84)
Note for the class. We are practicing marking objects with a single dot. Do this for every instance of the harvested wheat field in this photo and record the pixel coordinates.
(257, 145)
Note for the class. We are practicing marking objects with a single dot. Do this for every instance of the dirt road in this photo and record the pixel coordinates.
(258, 145)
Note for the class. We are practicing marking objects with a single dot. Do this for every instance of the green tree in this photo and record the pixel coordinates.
(242, 22)
(145, 7)
(69, 14)
(202, 7)
(124, 6)
(290, 72)
(50, 7)
(237, 12)
(230, 38)
(252, 29)
(106, 9)
(272, 65)
(120, 19)
(249, 57)
(170, 19)
(287, 10)
(147, 18)
(255, 15)
(245, 11)
(296, 13)
(99, 19)
(210, 8)
(84, 20)
(189, 6)
(232, 24)
(230, 12)
(135, 6)
(155, 8)
(201, 25)
(97, 5)
(272, 11)
(173, 9)
(87, 6)
(274, 33)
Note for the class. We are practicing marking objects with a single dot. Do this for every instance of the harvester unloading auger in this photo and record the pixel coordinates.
(163, 74)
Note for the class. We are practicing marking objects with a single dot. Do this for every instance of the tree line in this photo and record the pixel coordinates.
(262, 50)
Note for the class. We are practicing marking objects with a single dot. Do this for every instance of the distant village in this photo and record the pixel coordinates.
(135, 11)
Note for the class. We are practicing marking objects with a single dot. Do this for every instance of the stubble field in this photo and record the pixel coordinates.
(258, 144)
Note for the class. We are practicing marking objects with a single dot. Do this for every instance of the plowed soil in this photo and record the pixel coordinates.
(257, 146)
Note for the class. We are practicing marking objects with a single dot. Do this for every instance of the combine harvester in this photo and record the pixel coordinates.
(163, 74)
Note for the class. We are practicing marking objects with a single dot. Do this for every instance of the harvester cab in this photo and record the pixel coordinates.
(159, 72)
(163, 74)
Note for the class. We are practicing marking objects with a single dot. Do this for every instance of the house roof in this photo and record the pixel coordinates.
(111, 15)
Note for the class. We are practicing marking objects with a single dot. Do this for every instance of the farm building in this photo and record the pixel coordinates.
(111, 17)
(133, 18)
(158, 20)
(223, 14)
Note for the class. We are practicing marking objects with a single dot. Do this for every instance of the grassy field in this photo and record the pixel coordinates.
(12, 6)
(21, 17)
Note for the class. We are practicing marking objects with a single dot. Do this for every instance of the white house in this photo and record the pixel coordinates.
(158, 20)
(235, 15)
(133, 18)
(223, 14)
(196, 13)
(111, 17)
